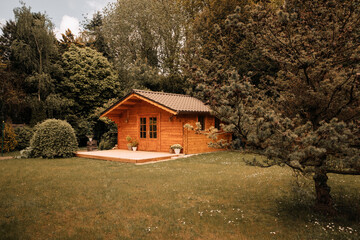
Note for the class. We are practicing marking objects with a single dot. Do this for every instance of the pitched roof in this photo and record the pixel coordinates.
(177, 102)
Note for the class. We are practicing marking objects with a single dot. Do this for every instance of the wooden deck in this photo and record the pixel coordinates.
(127, 156)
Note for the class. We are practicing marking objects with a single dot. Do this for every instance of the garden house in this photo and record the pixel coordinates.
(156, 120)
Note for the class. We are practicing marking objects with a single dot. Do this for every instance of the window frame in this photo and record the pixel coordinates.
(202, 121)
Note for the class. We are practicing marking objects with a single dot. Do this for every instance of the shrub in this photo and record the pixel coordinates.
(9, 138)
(105, 145)
(176, 146)
(23, 137)
(108, 141)
(53, 138)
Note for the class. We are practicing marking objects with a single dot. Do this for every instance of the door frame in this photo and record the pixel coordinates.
(148, 139)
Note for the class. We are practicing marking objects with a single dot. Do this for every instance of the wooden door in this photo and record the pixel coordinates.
(149, 133)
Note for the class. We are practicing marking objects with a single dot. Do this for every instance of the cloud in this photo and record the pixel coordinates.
(98, 5)
(68, 22)
(95, 5)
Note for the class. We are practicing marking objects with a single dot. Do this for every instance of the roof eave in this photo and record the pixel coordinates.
(194, 112)
(134, 93)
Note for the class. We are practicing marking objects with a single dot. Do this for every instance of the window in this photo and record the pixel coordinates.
(217, 123)
(148, 127)
(201, 120)
(142, 127)
(153, 127)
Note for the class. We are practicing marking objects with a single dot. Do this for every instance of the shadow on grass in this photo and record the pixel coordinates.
(292, 207)
(11, 230)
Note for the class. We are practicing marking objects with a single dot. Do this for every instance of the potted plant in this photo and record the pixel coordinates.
(134, 145)
(177, 148)
(129, 144)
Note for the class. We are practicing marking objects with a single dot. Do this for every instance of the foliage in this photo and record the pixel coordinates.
(176, 146)
(307, 115)
(34, 46)
(23, 137)
(6, 39)
(94, 36)
(53, 138)
(147, 38)
(82, 128)
(30, 47)
(13, 102)
(67, 39)
(10, 141)
(26, 153)
(108, 140)
(134, 142)
(89, 79)
(214, 50)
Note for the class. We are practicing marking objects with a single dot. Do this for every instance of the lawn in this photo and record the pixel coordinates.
(211, 196)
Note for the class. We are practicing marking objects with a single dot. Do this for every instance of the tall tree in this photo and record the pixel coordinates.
(308, 116)
(215, 49)
(12, 101)
(89, 79)
(89, 82)
(93, 34)
(146, 32)
(6, 39)
(34, 50)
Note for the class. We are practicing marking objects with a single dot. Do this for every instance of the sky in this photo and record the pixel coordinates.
(63, 13)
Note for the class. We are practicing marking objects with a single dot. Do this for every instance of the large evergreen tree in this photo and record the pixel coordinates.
(93, 34)
(307, 115)
(89, 79)
(89, 82)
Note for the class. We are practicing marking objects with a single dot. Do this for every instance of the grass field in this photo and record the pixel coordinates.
(212, 196)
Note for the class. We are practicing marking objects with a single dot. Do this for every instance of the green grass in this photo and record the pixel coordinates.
(212, 196)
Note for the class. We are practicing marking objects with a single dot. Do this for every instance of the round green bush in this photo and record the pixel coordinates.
(23, 136)
(52, 139)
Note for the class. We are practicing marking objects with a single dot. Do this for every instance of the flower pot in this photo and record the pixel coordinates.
(129, 147)
(177, 150)
(134, 148)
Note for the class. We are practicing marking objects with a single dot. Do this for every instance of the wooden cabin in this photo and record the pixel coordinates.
(157, 119)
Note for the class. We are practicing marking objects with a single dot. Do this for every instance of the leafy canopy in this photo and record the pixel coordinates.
(89, 79)
(307, 114)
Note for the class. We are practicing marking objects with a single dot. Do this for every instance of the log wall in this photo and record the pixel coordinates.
(170, 129)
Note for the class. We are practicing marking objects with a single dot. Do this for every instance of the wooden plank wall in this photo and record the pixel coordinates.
(196, 142)
(170, 130)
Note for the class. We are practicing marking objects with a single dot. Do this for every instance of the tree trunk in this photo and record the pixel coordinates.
(324, 201)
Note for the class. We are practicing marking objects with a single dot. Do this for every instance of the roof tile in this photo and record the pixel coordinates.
(176, 102)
